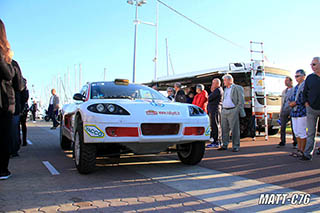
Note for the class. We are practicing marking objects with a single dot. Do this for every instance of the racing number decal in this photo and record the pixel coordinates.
(93, 131)
(157, 104)
(207, 132)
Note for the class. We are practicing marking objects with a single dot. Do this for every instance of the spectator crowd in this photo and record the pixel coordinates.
(300, 105)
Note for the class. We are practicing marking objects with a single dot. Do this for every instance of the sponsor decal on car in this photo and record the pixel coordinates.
(207, 132)
(169, 113)
(93, 131)
(153, 112)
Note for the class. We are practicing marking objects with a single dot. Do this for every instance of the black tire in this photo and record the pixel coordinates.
(65, 143)
(272, 131)
(191, 153)
(84, 154)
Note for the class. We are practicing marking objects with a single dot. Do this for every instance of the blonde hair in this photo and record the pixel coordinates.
(4, 44)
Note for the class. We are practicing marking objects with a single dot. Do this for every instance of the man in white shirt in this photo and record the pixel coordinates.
(232, 108)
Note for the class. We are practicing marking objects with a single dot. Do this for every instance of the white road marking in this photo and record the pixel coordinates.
(231, 192)
(51, 169)
(29, 142)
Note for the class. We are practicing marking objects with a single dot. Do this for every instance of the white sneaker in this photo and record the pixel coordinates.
(5, 176)
(211, 140)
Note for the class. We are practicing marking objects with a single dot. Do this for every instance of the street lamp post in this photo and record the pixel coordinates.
(139, 3)
(156, 48)
(135, 45)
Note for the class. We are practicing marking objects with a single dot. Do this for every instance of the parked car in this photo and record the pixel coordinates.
(112, 118)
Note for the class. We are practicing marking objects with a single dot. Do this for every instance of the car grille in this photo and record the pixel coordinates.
(160, 129)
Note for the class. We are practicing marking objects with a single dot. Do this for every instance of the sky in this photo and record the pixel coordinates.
(50, 38)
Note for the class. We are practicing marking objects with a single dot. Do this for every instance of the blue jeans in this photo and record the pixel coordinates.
(15, 145)
(285, 118)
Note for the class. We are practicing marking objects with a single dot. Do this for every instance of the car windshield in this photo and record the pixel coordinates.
(111, 90)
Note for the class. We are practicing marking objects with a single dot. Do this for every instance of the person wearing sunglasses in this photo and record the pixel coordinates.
(299, 113)
(311, 96)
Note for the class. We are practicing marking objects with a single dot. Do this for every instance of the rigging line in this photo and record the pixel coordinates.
(199, 25)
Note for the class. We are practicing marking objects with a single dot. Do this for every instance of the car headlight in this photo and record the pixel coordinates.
(100, 107)
(111, 109)
(196, 111)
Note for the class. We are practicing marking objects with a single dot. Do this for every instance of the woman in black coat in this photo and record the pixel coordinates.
(7, 102)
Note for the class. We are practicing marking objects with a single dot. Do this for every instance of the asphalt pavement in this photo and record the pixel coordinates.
(45, 180)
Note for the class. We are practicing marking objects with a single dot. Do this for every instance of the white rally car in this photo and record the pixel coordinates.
(113, 118)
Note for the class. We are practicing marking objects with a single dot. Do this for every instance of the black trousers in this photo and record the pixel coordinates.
(33, 115)
(215, 123)
(52, 115)
(5, 139)
(23, 120)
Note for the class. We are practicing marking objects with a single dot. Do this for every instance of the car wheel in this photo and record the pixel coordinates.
(191, 153)
(65, 143)
(84, 154)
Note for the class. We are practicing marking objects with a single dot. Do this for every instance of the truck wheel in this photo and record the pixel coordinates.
(191, 153)
(46, 118)
(272, 131)
(84, 154)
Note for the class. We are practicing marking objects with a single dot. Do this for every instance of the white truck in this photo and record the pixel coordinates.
(241, 72)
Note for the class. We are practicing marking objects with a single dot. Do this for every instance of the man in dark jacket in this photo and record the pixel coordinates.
(214, 111)
(33, 110)
(170, 93)
(18, 86)
(24, 113)
(311, 94)
(180, 95)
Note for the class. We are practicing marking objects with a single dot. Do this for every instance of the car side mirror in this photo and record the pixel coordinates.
(79, 97)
